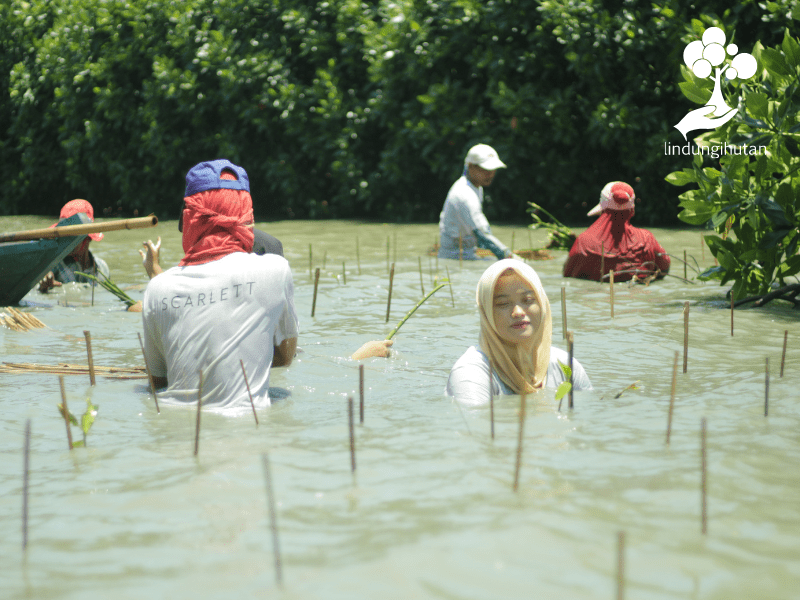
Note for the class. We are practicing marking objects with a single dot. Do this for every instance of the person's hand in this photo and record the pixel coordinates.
(48, 282)
(374, 348)
(150, 258)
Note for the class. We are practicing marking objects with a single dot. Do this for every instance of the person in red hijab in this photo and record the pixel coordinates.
(612, 243)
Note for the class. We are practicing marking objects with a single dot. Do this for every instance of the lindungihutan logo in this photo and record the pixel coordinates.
(710, 58)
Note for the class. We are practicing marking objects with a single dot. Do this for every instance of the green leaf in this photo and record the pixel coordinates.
(757, 103)
(773, 238)
(563, 388)
(78, 444)
(566, 370)
(774, 212)
(791, 49)
(694, 92)
(681, 177)
(775, 64)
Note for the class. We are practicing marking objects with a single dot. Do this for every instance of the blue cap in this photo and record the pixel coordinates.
(206, 176)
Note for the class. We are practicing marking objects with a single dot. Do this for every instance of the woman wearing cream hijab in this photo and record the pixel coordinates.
(516, 332)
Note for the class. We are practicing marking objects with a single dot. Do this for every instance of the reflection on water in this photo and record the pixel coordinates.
(430, 512)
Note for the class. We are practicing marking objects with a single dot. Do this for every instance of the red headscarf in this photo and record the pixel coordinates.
(216, 223)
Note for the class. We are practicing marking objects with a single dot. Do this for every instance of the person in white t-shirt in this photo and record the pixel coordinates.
(515, 338)
(221, 304)
(462, 224)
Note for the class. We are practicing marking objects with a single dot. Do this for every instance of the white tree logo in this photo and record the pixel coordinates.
(705, 58)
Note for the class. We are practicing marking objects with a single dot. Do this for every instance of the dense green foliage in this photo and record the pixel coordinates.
(755, 197)
(348, 108)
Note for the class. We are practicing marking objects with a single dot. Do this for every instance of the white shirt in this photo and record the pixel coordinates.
(461, 215)
(469, 377)
(210, 317)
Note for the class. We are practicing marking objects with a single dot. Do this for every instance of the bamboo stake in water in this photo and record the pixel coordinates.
(519, 440)
(352, 434)
(611, 288)
(621, 565)
(766, 388)
(732, 313)
(344, 274)
(571, 351)
(421, 284)
(783, 355)
(316, 285)
(199, 405)
(563, 311)
(149, 374)
(672, 396)
(273, 519)
(703, 506)
(685, 336)
(491, 398)
(450, 283)
(26, 453)
(88, 337)
(685, 273)
(361, 394)
(249, 393)
(66, 410)
(358, 257)
(389, 300)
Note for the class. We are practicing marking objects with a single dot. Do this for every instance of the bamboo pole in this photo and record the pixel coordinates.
(316, 285)
(66, 409)
(766, 387)
(199, 406)
(149, 374)
(273, 519)
(352, 434)
(26, 453)
(450, 283)
(88, 337)
(519, 440)
(703, 503)
(783, 354)
(361, 393)
(421, 283)
(571, 350)
(685, 335)
(389, 299)
(249, 393)
(672, 396)
(621, 565)
(611, 289)
(563, 311)
(51, 233)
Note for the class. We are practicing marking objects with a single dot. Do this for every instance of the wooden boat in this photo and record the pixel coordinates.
(27, 256)
(23, 264)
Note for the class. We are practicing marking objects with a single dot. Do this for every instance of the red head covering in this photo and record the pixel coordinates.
(73, 207)
(216, 223)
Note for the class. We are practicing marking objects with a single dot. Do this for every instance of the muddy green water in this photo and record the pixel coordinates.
(430, 512)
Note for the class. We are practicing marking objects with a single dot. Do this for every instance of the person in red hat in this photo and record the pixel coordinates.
(612, 243)
(81, 258)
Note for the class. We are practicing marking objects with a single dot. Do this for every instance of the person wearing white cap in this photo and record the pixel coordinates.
(612, 243)
(462, 224)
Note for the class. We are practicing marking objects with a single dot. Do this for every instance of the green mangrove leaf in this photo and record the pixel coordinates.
(563, 389)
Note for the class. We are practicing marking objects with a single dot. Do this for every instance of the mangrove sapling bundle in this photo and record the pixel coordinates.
(416, 306)
(559, 236)
(109, 285)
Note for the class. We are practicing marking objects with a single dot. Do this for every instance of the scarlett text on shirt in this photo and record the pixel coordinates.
(207, 298)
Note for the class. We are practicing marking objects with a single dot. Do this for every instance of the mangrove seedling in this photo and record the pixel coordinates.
(560, 237)
(86, 422)
(110, 286)
(442, 283)
(565, 386)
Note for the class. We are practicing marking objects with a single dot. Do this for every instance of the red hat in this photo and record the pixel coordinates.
(73, 207)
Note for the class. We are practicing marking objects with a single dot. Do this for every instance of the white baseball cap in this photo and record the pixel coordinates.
(485, 157)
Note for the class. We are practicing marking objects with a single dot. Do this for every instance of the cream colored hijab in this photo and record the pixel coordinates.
(510, 361)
